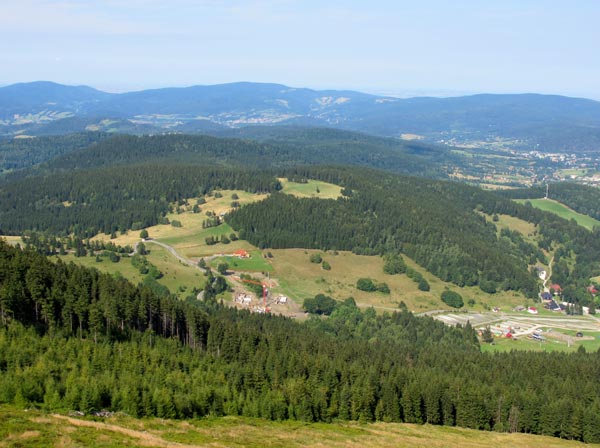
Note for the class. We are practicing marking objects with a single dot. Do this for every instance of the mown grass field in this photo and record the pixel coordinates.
(256, 263)
(309, 189)
(549, 345)
(563, 211)
(33, 428)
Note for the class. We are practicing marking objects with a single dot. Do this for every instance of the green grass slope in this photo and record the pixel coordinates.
(563, 211)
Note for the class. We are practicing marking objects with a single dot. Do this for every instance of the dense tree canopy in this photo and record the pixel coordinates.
(74, 339)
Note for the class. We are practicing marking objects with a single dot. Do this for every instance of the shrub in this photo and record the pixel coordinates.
(315, 258)
(320, 304)
(383, 287)
(365, 284)
(452, 299)
(394, 264)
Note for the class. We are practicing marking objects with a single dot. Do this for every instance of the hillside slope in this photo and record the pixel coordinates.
(543, 122)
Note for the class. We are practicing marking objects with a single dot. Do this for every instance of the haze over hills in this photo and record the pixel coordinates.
(526, 121)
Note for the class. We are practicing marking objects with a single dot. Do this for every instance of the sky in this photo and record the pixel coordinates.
(426, 47)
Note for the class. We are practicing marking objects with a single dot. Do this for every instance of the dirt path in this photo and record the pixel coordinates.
(143, 438)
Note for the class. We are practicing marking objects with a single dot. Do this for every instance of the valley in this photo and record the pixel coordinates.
(393, 271)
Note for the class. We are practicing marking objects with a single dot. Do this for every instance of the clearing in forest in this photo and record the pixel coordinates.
(550, 205)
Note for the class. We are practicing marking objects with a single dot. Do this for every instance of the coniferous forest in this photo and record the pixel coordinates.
(74, 339)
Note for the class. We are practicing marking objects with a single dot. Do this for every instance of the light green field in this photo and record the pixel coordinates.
(33, 428)
(123, 267)
(309, 190)
(563, 211)
(257, 263)
(549, 345)
(178, 277)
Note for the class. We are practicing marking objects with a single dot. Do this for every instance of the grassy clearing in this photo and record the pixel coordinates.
(191, 231)
(13, 240)
(525, 228)
(178, 277)
(123, 267)
(36, 429)
(257, 263)
(309, 189)
(300, 279)
(563, 211)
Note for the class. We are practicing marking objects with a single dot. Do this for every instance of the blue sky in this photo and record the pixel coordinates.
(400, 47)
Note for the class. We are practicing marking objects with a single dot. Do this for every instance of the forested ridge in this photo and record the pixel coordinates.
(288, 147)
(18, 153)
(86, 202)
(74, 339)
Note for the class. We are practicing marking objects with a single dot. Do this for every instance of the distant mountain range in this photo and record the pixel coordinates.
(525, 121)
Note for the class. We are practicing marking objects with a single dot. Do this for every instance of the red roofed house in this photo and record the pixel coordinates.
(556, 288)
(241, 253)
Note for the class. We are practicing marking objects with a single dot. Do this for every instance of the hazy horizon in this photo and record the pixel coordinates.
(401, 48)
(396, 93)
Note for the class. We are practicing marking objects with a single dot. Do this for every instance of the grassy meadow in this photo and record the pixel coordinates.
(298, 278)
(178, 277)
(309, 189)
(563, 211)
(32, 428)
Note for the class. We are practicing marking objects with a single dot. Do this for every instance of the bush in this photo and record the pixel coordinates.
(423, 285)
(315, 258)
(383, 287)
(320, 304)
(394, 264)
(222, 268)
(487, 286)
(326, 266)
(452, 299)
(176, 223)
(144, 234)
(366, 284)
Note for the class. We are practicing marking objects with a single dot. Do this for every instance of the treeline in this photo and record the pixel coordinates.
(290, 147)
(581, 198)
(110, 200)
(123, 348)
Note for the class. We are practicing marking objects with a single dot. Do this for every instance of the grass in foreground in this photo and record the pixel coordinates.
(563, 211)
(32, 428)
